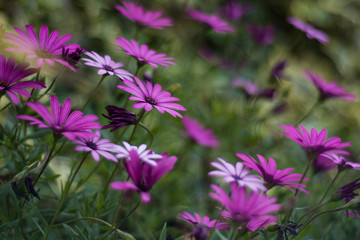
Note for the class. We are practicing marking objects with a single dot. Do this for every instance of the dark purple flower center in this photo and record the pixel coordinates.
(108, 68)
(142, 60)
(91, 145)
(43, 53)
(150, 100)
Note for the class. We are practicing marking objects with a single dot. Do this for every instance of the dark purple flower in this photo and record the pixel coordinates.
(262, 35)
(234, 11)
(252, 89)
(347, 192)
(119, 117)
(278, 69)
(310, 31)
(72, 56)
(340, 161)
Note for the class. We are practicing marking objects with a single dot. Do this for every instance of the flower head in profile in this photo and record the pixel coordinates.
(311, 32)
(277, 70)
(262, 35)
(59, 120)
(149, 97)
(340, 161)
(347, 192)
(251, 211)
(273, 176)
(96, 146)
(215, 22)
(314, 142)
(238, 174)
(198, 133)
(143, 174)
(44, 49)
(118, 117)
(234, 11)
(329, 90)
(10, 76)
(106, 65)
(143, 17)
(143, 54)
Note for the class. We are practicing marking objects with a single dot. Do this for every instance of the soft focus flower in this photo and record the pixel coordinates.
(215, 22)
(321, 163)
(147, 156)
(143, 174)
(143, 54)
(340, 161)
(119, 117)
(198, 133)
(262, 35)
(145, 18)
(106, 65)
(213, 58)
(252, 89)
(329, 90)
(149, 96)
(72, 56)
(234, 11)
(277, 70)
(10, 75)
(250, 211)
(347, 192)
(238, 174)
(59, 120)
(315, 142)
(273, 176)
(44, 49)
(96, 147)
(310, 31)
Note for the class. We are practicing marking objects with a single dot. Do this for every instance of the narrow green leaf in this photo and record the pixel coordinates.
(163, 233)
(303, 233)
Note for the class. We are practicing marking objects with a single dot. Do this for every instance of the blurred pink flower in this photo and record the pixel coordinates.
(143, 54)
(70, 126)
(340, 161)
(329, 90)
(252, 89)
(45, 49)
(198, 133)
(145, 18)
(262, 35)
(196, 219)
(310, 31)
(234, 11)
(150, 96)
(10, 75)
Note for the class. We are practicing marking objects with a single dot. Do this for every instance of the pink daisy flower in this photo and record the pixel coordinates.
(340, 161)
(262, 35)
(234, 11)
(196, 219)
(329, 90)
(311, 32)
(106, 65)
(145, 18)
(249, 211)
(273, 176)
(149, 96)
(10, 75)
(143, 174)
(215, 22)
(143, 54)
(238, 174)
(59, 120)
(44, 49)
(198, 133)
(97, 147)
(314, 142)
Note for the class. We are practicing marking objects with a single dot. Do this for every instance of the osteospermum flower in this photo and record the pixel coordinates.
(340, 161)
(10, 75)
(145, 18)
(97, 147)
(119, 117)
(234, 11)
(310, 31)
(143, 54)
(149, 96)
(329, 90)
(249, 211)
(147, 156)
(196, 132)
(106, 65)
(347, 192)
(215, 22)
(72, 56)
(252, 89)
(238, 174)
(143, 174)
(59, 120)
(273, 176)
(44, 49)
(262, 35)
(314, 142)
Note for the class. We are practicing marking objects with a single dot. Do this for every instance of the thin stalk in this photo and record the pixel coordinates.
(106, 186)
(312, 210)
(52, 84)
(94, 91)
(64, 195)
(136, 125)
(308, 112)
(90, 174)
(150, 133)
(331, 184)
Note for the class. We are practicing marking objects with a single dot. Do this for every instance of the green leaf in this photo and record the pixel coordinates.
(163, 233)
(303, 233)
(100, 202)
(179, 238)
(263, 234)
(220, 235)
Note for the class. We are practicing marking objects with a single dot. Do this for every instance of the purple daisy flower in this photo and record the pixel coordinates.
(198, 133)
(10, 75)
(314, 143)
(107, 66)
(72, 56)
(252, 89)
(150, 96)
(310, 31)
(119, 117)
(273, 176)
(321, 163)
(234, 11)
(215, 22)
(347, 192)
(145, 18)
(340, 161)
(70, 126)
(97, 147)
(45, 49)
(329, 90)
(238, 174)
(249, 211)
(143, 54)
(143, 174)
(262, 35)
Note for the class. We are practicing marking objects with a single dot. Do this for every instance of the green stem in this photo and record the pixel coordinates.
(90, 174)
(136, 125)
(64, 195)
(308, 112)
(331, 184)
(106, 186)
(312, 210)
(52, 84)
(94, 91)
(150, 133)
